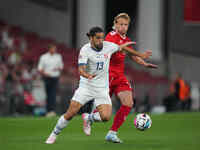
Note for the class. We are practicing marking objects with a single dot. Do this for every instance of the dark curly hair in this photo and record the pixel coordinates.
(93, 31)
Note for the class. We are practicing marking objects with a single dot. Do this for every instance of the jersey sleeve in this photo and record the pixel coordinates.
(61, 65)
(41, 63)
(114, 47)
(83, 57)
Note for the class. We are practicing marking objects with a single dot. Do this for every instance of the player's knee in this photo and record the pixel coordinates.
(128, 103)
(126, 99)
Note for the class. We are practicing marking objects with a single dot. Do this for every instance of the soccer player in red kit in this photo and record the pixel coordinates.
(118, 83)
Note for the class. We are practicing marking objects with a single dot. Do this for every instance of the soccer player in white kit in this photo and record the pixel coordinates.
(93, 67)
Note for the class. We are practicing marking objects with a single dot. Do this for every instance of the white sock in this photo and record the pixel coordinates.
(62, 123)
(94, 117)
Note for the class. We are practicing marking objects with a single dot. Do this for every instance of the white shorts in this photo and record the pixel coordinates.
(100, 95)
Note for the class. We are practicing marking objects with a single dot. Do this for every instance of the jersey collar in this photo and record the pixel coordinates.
(123, 37)
(94, 49)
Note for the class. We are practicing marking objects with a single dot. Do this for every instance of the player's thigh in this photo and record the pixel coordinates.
(82, 95)
(123, 91)
(73, 109)
(105, 111)
(126, 98)
(104, 104)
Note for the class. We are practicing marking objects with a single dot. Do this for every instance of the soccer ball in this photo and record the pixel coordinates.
(142, 121)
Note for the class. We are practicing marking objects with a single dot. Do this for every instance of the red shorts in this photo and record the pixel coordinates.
(118, 83)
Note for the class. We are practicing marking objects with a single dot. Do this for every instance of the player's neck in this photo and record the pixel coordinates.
(95, 49)
(51, 53)
(121, 35)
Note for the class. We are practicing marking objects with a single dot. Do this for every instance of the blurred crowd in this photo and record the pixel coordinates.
(21, 88)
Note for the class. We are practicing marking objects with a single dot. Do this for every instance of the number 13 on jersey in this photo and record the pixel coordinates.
(100, 65)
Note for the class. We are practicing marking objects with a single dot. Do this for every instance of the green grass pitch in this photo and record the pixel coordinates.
(174, 131)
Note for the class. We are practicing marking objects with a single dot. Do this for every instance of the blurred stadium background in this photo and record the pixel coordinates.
(170, 28)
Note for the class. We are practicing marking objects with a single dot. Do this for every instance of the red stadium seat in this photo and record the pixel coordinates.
(15, 30)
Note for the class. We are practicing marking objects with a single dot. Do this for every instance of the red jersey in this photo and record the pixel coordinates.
(117, 59)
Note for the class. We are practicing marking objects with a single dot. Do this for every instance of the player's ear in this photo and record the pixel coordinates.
(88, 35)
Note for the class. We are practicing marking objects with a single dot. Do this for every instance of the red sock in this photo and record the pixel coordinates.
(120, 117)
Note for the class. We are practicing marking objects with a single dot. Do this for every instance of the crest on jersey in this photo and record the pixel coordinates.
(112, 33)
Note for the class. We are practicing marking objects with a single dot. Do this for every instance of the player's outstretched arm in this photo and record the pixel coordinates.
(122, 46)
(144, 55)
(142, 62)
(82, 72)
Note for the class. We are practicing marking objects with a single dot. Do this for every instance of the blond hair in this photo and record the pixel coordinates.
(121, 15)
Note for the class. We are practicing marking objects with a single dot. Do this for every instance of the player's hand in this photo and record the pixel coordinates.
(152, 66)
(45, 74)
(147, 54)
(91, 76)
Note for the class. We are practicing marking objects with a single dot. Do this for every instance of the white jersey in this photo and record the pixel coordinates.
(49, 63)
(97, 62)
